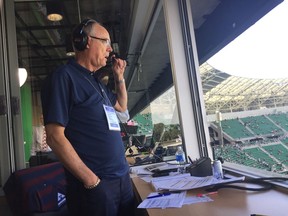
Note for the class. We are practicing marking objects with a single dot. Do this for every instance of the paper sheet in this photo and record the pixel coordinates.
(195, 199)
(174, 200)
(188, 182)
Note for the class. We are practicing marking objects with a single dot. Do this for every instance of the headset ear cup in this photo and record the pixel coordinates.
(80, 42)
(79, 39)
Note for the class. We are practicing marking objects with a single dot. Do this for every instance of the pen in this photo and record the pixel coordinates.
(159, 195)
(210, 193)
(257, 215)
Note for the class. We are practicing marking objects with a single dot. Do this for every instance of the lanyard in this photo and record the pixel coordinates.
(106, 100)
(102, 93)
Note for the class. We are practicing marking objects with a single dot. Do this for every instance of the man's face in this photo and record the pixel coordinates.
(100, 46)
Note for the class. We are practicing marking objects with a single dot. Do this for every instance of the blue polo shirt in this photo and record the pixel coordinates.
(74, 98)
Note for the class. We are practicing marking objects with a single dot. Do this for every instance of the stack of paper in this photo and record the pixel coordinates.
(173, 200)
(187, 182)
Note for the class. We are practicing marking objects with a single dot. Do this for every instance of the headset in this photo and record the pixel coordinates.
(79, 37)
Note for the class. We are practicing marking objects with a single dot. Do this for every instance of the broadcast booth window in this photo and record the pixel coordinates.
(243, 110)
(154, 129)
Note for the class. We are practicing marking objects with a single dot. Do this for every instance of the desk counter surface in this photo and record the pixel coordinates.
(227, 202)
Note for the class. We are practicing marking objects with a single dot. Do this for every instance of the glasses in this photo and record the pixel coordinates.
(105, 41)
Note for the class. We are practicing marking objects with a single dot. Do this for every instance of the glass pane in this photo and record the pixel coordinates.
(33, 57)
(157, 131)
(151, 98)
(245, 93)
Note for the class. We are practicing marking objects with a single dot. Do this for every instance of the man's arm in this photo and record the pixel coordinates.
(67, 155)
(118, 68)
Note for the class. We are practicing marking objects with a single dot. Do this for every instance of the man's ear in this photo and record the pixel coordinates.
(88, 43)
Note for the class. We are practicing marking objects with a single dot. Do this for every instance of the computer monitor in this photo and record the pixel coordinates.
(139, 141)
(129, 129)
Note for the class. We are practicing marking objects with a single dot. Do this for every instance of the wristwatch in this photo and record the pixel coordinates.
(120, 81)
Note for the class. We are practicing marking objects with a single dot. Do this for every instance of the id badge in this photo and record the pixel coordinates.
(112, 119)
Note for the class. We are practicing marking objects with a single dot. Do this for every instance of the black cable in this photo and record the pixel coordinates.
(264, 183)
(148, 159)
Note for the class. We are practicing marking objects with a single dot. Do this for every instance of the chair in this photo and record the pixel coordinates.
(40, 190)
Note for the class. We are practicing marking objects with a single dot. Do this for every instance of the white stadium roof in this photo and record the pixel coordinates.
(227, 93)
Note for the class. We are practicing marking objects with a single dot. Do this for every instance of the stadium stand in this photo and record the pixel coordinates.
(235, 129)
(257, 141)
(261, 126)
(144, 122)
(280, 119)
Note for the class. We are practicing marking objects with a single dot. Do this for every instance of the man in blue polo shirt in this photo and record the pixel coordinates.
(83, 130)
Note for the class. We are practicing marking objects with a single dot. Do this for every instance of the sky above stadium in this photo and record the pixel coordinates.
(261, 51)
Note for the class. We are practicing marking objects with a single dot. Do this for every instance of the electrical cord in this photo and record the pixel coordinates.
(149, 159)
(263, 183)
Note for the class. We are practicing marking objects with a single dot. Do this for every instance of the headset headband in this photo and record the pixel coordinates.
(80, 38)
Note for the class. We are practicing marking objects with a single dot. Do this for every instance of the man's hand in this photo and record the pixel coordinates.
(118, 68)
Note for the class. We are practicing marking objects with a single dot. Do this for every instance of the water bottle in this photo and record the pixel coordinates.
(180, 158)
(217, 169)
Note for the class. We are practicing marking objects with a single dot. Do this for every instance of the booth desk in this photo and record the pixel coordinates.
(227, 202)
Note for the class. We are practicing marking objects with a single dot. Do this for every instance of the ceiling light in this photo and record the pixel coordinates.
(22, 74)
(54, 10)
(70, 53)
(69, 46)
